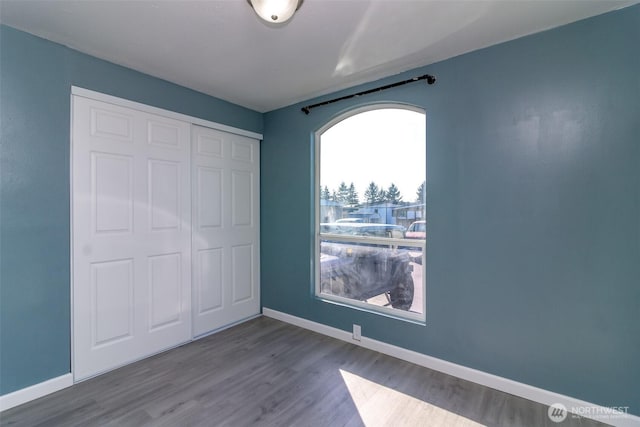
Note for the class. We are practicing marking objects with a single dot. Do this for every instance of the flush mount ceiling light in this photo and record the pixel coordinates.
(275, 11)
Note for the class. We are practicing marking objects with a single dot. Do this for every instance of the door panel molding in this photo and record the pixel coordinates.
(225, 223)
(153, 260)
(131, 235)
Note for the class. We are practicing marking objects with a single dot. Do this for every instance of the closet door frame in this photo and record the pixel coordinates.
(120, 102)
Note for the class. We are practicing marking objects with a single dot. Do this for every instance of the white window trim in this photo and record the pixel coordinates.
(419, 318)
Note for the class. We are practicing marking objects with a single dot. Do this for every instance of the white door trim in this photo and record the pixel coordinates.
(86, 93)
(89, 94)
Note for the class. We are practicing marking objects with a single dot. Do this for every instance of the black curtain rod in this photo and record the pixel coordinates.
(428, 77)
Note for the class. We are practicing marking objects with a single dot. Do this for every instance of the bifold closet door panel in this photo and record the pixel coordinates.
(131, 222)
(226, 197)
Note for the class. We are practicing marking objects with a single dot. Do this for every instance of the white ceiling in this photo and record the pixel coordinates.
(223, 49)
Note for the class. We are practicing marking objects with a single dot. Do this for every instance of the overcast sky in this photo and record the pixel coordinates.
(383, 146)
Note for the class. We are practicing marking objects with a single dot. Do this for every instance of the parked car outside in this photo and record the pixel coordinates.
(349, 220)
(364, 229)
(417, 230)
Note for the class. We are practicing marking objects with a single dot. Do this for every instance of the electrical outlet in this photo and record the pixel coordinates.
(357, 332)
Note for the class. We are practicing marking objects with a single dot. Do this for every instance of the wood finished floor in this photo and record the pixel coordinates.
(268, 373)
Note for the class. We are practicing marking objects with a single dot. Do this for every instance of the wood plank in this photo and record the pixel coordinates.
(266, 372)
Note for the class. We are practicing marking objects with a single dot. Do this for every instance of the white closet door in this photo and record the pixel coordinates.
(226, 270)
(131, 235)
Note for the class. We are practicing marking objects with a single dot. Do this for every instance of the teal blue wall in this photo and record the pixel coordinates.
(533, 205)
(35, 84)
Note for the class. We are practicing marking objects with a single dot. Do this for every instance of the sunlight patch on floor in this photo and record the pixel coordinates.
(379, 405)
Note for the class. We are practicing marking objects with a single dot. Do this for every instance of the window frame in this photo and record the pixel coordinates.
(419, 318)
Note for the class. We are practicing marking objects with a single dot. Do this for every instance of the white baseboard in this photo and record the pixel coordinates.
(545, 397)
(35, 391)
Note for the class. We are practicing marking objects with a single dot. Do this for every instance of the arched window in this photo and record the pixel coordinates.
(370, 210)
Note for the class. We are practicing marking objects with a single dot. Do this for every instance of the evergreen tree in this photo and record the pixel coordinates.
(382, 196)
(420, 193)
(352, 197)
(371, 194)
(342, 195)
(325, 194)
(393, 195)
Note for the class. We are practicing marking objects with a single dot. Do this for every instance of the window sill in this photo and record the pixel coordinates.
(392, 313)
